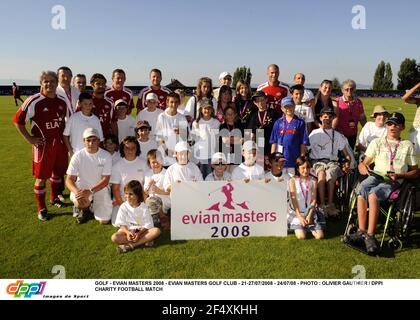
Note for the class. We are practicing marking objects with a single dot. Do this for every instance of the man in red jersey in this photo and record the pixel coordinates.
(155, 77)
(46, 112)
(274, 89)
(118, 91)
(103, 107)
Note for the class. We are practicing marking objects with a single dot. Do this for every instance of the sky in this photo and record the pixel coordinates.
(188, 39)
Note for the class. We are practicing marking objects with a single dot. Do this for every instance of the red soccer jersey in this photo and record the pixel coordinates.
(162, 93)
(103, 108)
(47, 116)
(274, 94)
(125, 94)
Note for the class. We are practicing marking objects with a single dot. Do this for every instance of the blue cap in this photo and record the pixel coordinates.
(288, 101)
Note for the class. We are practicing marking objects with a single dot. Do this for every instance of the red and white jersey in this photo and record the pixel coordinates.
(275, 94)
(125, 94)
(162, 93)
(103, 108)
(47, 116)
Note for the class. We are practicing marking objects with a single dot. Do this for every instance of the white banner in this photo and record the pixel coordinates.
(222, 209)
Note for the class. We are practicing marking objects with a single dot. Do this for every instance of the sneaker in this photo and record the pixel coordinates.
(61, 198)
(82, 217)
(58, 203)
(124, 248)
(371, 244)
(76, 212)
(357, 238)
(43, 215)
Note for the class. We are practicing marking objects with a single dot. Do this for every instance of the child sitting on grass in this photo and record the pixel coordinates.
(303, 216)
(134, 220)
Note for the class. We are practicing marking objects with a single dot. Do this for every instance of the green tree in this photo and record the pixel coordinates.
(409, 74)
(336, 84)
(379, 77)
(242, 73)
(388, 84)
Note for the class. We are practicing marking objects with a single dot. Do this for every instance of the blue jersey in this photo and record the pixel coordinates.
(289, 135)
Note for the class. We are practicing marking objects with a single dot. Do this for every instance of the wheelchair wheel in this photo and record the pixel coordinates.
(395, 244)
(406, 216)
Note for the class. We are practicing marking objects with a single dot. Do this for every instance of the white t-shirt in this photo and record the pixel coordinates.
(126, 127)
(369, 132)
(307, 95)
(212, 177)
(269, 175)
(134, 218)
(177, 172)
(78, 123)
(158, 178)
(124, 171)
(255, 172)
(150, 117)
(145, 147)
(205, 138)
(89, 168)
(304, 112)
(321, 144)
(115, 157)
(165, 129)
(189, 108)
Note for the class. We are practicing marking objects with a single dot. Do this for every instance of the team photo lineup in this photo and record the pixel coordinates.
(116, 160)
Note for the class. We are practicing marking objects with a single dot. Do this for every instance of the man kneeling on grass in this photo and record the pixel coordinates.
(134, 220)
(88, 177)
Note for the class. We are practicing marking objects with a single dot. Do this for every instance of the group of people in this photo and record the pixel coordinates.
(122, 169)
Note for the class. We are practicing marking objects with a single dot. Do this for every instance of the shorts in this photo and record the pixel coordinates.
(102, 204)
(49, 159)
(332, 169)
(374, 185)
(319, 222)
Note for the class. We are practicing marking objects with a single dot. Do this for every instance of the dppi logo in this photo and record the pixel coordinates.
(227, 191)
(26, 289)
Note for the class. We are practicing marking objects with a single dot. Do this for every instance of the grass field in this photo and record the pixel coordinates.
(30, 249)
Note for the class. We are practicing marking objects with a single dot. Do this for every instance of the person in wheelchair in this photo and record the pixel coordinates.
(373, 129)
(325, 143)
(395, 161)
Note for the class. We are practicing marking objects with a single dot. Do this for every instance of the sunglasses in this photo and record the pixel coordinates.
(220, 164)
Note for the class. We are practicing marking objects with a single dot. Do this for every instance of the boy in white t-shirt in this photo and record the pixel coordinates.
(158, 199)
(88, 177)
(171, 127)
(183, 169)
(151, 113)
(372, 130)
(249, 169)
(277, 161)
(302, 110)
(126, 123)
(79, 122)
(143, 130)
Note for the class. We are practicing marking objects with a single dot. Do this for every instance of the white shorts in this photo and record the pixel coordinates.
(414, 137)
(102, 204)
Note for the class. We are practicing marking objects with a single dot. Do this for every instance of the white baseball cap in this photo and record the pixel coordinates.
(90, 132)
(152, 96)
(182, 146)
(224, 74)
(249, 145)
(218, 157)
(120, 102)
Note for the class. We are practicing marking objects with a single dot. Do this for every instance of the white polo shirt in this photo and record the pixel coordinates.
(165, 129)
(75, 127)
(89, 168)
(124, 171)
(322, 146)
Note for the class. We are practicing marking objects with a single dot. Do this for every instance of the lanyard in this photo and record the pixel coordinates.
(392, 154)
(263, 119)
(332, 140)
(243, 109)
(285, 128)
(305, 191)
